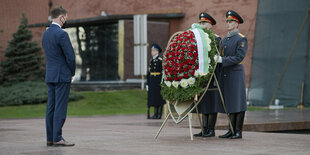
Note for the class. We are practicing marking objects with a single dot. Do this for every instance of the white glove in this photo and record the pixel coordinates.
(147, 88)
(218, 58)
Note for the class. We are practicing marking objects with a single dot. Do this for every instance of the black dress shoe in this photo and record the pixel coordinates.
(153, 117)
(158, 116)
(49, 143)
(63, 142)
(198, 134)
(227, 135)
(210, 133)
(238, 135)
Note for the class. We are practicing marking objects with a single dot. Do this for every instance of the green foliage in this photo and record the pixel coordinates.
(93, 103)
(30, 92)
(24, 59)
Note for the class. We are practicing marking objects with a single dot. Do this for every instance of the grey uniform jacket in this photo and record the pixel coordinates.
(233, 49)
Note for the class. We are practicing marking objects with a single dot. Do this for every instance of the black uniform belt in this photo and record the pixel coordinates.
(155, 73)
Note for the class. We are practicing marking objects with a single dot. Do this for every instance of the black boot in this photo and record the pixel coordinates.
(159, 112)
(155, 113)
(239, 125)
(232, 118)
(211, 125)
(204, 125)
(148, 112)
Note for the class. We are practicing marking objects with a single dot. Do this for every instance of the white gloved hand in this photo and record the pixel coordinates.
(218, 58)
(147, 88)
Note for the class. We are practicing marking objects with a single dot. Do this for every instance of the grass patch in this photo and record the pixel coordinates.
(96, 103)
(93, 103)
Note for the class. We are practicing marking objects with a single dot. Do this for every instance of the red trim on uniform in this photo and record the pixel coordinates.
(206, 20)
(233, 18)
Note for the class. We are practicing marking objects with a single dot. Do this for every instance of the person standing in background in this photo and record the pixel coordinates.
(154, 77)
(60, 69)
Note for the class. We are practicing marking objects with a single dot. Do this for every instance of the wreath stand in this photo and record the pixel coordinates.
(184, 109)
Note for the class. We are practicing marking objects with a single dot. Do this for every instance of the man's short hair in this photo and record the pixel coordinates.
(57, 11)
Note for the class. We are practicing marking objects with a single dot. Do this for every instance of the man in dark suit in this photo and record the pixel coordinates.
(209, 102)
(233, 49)
(153, 83)
(60, 69)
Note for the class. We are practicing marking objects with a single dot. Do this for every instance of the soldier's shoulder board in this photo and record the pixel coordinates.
(216, 35)
(160, 58)
(241, 35)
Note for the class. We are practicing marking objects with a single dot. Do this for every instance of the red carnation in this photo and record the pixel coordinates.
(185, 69)
(173, 54)
(185, 75)
(192, 72)
(189, 66)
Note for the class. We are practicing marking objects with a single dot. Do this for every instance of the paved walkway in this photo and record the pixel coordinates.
(134, 135)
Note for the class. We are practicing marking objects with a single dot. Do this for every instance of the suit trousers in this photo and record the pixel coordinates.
(56, 109)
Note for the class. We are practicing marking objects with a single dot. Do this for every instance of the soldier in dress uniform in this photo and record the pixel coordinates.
(233, 49)
(207, 106)
(153, 84)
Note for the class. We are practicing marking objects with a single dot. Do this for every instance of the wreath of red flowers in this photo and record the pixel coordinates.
(181, 57)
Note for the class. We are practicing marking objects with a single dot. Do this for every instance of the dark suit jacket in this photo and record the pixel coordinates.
(59, 55)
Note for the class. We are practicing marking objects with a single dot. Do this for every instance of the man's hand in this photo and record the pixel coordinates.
(218, 59)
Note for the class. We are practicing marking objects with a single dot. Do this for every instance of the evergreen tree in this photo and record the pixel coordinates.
(24, 57)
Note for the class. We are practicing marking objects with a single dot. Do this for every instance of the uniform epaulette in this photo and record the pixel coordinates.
(160, 58)
(216, 35)
(241, 35)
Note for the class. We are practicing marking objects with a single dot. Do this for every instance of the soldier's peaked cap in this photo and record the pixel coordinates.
(204, 17)
(157, 47)
(233, 16)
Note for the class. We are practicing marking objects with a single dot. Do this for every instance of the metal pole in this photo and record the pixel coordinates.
(301, 104)
(161, 127)
(289, 57)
